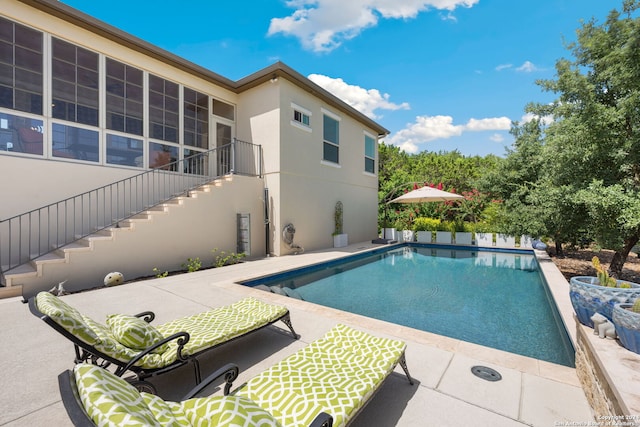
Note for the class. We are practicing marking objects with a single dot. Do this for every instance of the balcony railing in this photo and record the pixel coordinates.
(36, 233)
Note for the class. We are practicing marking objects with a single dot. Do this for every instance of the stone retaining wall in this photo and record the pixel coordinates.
(610, 377)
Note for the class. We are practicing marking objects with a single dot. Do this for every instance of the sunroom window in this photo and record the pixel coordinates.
(74, 83)
(20, 67)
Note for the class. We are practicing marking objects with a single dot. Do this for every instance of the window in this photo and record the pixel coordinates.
(20, 67)
(369, 154)
(164, 105)
(61, 100)
(124, 151)
(162, 156)
(75, 143)
(21, 134)
(223, 109)
(74, 83)
(330, 132)
(124, 98)
(301, 117)
(196, 119)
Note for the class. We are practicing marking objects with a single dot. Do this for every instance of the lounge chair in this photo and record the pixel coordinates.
(132, 344)
(324, 384)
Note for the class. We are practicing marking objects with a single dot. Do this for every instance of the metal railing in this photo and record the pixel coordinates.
(36, 233)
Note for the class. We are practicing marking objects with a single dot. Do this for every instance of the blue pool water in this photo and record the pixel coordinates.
(496, 299)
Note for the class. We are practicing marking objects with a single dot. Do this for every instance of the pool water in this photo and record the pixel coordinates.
(496, 299)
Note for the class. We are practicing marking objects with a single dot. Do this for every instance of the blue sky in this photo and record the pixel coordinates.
(441, 75)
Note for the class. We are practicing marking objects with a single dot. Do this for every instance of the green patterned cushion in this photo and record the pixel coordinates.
(386, 350)
(287, 406)
(259, 310)
(110, 400)
(218, 325)
(318, 378)
(166, 413)
(110, 346)
(66, 316)
(134, 332)
(336, 374)
(231, 411)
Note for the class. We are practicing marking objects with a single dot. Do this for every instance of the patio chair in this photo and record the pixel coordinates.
(132, 344)
(324, 384)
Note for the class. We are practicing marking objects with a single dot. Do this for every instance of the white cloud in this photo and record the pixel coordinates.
(527, 67)
(545, 120)
(496, 123)
(430, 128)
(497, 137)
(503, 67)
(409, 147)
(323, 25)
(367, 101)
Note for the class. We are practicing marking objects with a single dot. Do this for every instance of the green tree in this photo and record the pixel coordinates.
(400, 172)
(592, 148)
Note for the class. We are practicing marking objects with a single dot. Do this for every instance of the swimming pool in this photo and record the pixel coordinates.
(493, 298)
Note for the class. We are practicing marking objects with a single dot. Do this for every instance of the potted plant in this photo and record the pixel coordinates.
(599, 294)
(405, 224)
(505, 240)
(626, 318)
(484, 237)
(388, 231)
(443, 233)
(340, 239)
(424, 228)
(463, 235)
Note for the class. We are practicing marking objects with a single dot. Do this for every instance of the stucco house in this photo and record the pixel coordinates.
(96, 125)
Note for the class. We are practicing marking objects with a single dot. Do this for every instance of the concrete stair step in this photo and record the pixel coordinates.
(74, 247)
(21, 270)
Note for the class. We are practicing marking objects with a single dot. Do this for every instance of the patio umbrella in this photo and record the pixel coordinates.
(426, 194)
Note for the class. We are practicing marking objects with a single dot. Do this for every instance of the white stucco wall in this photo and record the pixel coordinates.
(28, 183)
(304, 189)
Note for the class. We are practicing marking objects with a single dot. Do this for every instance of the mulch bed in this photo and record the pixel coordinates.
(577, 262)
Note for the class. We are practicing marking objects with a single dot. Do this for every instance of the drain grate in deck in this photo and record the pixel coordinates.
(486, 373)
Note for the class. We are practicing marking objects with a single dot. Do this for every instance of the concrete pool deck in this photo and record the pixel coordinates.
(446, 393)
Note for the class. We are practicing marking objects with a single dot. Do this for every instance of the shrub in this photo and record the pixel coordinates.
(426, 224)
(446, 226)
(192, 264)
(482, 227)
(223, 258)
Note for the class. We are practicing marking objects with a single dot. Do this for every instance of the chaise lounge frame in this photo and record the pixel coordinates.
(86, 353)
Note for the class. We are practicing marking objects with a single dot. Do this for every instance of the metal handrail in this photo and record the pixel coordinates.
(33, 234)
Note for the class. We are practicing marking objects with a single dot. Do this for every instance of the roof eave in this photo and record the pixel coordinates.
(280, 69)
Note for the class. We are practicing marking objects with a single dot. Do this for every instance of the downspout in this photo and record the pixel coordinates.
(267, 222)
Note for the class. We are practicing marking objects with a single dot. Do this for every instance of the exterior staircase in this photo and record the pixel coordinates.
(45, 272)
(79, 246)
